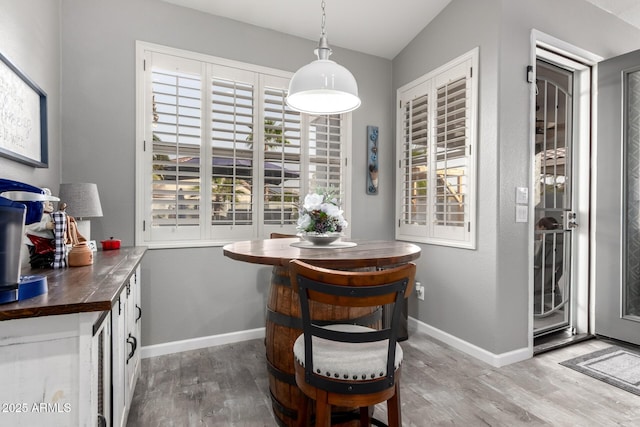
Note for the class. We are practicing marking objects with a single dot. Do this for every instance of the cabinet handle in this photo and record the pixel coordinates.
(134, 344)
(102, 421)
(139, 313)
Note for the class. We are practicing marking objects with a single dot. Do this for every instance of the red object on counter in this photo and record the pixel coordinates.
(110, 244)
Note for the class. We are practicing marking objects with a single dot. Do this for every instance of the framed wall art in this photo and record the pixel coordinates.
(23, 117)
(372, 159)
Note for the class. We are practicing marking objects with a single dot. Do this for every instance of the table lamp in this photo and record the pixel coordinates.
(83, 202)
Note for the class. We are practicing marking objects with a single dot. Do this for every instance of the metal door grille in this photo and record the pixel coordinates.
(553, 198)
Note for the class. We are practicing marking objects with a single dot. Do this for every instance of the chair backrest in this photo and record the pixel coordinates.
(351, 289)
(281, 236)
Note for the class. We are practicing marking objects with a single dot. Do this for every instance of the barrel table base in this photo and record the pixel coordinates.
(283, 326)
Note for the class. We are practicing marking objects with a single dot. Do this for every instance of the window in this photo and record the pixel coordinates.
(220, 155)
(435, 181)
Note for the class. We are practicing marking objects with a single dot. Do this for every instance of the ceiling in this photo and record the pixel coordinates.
(377, 27)
(627, 10)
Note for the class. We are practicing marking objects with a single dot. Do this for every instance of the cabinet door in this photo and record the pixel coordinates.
(119, 353)
(126, 348)
(138, 314)
(134, 314)
(134, 327)
(132, 341)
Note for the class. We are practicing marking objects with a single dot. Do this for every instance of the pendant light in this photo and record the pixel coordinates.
(323, 86)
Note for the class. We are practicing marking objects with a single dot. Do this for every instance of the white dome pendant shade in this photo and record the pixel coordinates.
(323, 86)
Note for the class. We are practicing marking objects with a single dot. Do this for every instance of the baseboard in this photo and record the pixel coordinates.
(201, 342)
(495, 360)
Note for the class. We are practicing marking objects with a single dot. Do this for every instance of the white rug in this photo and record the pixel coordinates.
(614, 365)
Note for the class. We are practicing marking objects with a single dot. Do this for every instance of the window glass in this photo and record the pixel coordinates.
(175, 176)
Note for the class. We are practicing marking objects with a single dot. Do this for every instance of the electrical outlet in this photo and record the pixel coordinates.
(419, 291)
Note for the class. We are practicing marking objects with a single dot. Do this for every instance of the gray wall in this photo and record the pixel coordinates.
(30, 39)
(192, 292)
(486, 303)
(580, 24)
(461, 301)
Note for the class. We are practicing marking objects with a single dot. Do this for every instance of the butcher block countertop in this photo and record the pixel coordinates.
(91, 288)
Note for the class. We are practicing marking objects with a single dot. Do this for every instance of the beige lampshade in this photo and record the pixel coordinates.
(82, 200)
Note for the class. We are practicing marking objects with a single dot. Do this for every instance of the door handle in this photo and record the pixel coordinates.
(133, 342)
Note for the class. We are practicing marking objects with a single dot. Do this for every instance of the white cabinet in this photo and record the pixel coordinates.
(126, 318)
(71, 357)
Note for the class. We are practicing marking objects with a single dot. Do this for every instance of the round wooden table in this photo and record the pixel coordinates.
(367, 253)
(283, 323)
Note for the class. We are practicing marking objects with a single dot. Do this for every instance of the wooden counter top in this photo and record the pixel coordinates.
(79, 289)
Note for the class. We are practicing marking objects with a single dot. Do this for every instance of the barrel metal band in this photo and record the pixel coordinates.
(281, 279)
(280, 375)
(279, 407)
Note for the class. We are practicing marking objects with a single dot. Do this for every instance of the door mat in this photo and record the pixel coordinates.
(614, 365)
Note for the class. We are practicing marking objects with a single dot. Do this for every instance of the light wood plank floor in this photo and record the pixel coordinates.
(228, 386)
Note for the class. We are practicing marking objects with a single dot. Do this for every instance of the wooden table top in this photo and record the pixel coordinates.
(367, 253)
(79, 289)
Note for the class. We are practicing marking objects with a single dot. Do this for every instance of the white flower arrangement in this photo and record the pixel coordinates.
(320, 214)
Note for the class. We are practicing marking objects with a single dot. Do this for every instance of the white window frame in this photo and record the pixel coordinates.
(203, 235)
(429, 232)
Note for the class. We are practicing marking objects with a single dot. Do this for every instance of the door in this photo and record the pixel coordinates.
(553, 202)
(617, 231)
(561, 193)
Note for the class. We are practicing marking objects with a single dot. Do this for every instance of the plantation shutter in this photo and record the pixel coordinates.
(325, 154)
(450, 176)
(233, 191)
(175, 149)
(282, 162)
(219, 155)
(435, 179)
(414, 160)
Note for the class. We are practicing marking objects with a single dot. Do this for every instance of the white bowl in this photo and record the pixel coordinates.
(320, 239)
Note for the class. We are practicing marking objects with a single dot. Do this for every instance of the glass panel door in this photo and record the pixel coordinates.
(631, 286)
(553, 204)
(617, 257)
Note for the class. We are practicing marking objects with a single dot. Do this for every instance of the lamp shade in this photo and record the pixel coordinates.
(323, 87)
(82, 200)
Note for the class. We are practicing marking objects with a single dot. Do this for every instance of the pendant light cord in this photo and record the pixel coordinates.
(323, 51)
(324, 19)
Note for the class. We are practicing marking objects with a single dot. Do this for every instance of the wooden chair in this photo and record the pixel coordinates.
(281, 236)
(349, 365)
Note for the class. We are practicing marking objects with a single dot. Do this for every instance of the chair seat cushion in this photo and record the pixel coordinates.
(352, 361)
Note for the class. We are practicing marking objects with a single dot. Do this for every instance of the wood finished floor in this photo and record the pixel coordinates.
(228, 386)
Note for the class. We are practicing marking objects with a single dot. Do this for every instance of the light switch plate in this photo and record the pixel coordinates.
(522, 213)
(522, 195)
